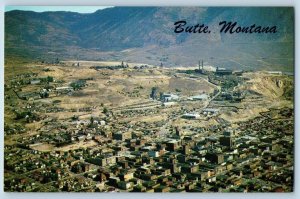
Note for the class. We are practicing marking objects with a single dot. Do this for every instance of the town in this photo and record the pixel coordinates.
(87, 126)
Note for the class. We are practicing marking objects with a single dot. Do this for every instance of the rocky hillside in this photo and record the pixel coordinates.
(146, 34)
(270, 86)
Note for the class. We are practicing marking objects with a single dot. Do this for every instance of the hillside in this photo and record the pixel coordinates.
(146, 34)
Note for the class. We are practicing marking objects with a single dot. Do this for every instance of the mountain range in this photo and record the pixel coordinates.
(146, 35)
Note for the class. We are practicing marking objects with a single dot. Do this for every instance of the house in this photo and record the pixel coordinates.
(210, 111)
(214, 157)
(190, 168)
(162, 189)
(201, 97)
(169, 97)
(223, 71)
(122, 136)
(172, 145)
(238, 72)
(153, 153)
(126, 176)
(64, 88)
(125, 185)
(226, 141)
(35, 81)
(191, 116)
(168, 104)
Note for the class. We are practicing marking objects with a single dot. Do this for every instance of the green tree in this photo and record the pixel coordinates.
(49, 79)
(105, 110)
(153, 94)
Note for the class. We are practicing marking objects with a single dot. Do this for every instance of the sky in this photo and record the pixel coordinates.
(80, 9)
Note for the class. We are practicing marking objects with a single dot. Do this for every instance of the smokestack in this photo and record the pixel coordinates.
(202, 64)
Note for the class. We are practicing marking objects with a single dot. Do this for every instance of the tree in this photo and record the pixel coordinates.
(75, 117)
(153, 94)
(92, 120)
(161, 95)
(105, 110)
(44, 94)
(49, 79)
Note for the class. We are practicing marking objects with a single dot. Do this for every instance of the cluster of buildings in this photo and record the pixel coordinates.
(115, 153)
(249, 158)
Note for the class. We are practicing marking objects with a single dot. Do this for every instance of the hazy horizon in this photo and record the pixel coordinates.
(79, 9)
